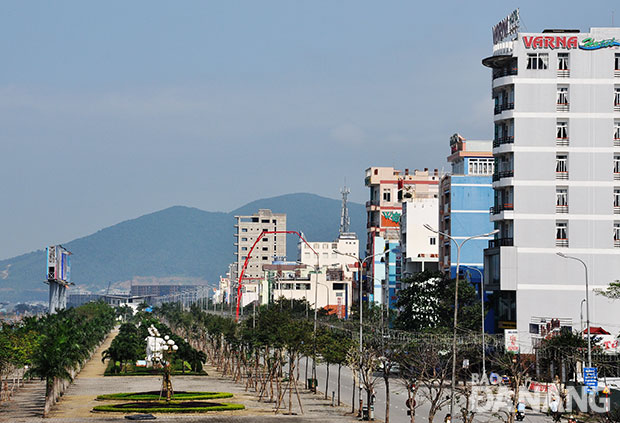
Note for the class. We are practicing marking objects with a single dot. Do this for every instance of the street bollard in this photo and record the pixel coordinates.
(333, 397)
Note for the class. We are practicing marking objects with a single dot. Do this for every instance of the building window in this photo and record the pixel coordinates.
(561, 234)
(480, 166)
(244, 229)
(562, 100)
(561, 166)
(561, 200)
(538, 61)
(616, 200)
(561, 133)
(563, 69)
(617, 234)
(617, 99)
(265, 258)
(617, 65)
(244, 248)
(433, 240)
(265, 248)
(387, 195)
(616, 167)
(617, 133)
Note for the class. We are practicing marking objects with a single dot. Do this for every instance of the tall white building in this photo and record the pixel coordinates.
(265, 251)
(556, 180)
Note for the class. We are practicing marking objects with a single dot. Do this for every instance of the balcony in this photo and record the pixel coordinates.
(561, 209)
(504, 106)
(503, 174)
(500, 73)
(616, 176)
(616, 107)
(617, 73)
(561, 242)
(563, 73)
(616, 243)
(616, 209)
(372, 204)
(561, 175)
(616, 142)
(562, 107)
(500, 242)
(501, 207)
(561, 141)
(503, 140)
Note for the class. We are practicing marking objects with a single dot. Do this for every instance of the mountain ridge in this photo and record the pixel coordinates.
(178, 241)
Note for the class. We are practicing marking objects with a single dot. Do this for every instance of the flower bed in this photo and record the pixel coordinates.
(171, 407)
(154, 396)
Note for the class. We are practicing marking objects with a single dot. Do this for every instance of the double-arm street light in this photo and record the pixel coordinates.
(587, 304)
(359, 283)
(456, 300)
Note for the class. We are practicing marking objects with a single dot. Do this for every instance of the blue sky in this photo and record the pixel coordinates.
(110, 110)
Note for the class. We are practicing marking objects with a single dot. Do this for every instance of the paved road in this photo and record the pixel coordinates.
(398, 396)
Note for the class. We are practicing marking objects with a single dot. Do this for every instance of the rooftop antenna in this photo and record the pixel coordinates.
(345, 221)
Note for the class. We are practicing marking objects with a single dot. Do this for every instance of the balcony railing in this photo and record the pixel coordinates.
(500, 242)
(503, 174)
(500, 73)
(509, 139)
(372, 203)
(561, 141)
(617, 243)
(561, 209)
(561, 242)
(501, 207)
(616, 142)
(561, 175)
(616, 176)
(563, 73)
(616, 209)
(504, 106)
(562, 107)
(616, 107)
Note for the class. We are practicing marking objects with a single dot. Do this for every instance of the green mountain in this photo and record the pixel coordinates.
(178, 241)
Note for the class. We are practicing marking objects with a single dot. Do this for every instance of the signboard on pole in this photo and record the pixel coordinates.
(511, 340)
(590, 378)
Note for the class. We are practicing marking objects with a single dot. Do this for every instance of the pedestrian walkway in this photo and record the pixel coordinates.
(27, 403)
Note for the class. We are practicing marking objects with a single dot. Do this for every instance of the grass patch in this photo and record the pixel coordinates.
(172, 407)
(154, 396)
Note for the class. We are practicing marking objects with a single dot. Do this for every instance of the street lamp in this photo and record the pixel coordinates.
(484, 368)
(359, 283)
(456, 301)
(587, 304)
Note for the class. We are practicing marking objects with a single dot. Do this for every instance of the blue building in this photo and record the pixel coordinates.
(466, 196)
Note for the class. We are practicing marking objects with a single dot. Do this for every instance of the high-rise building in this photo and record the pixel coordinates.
(557, 178)
(388, 189)
(249, 228)
(466, 196)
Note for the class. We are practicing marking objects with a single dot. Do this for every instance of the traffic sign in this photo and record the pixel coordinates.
(590, 378)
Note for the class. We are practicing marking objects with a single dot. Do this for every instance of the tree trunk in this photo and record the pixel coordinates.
(353, 391)
(339, 367)
(386, 378)
(290, 386)
(327, 381)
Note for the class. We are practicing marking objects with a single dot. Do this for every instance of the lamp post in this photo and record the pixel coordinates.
(456, 301)
(484, 367)
(359, 283)
(587, 304)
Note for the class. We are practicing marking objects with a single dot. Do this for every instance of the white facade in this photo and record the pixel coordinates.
(299, 281)
(419, 246)
(557, 152)
(269, 247)
(324, 252)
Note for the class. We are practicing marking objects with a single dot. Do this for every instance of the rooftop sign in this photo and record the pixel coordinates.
(506, 27)
(563, 42)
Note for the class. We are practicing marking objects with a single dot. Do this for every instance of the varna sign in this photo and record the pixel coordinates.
(566, 42)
